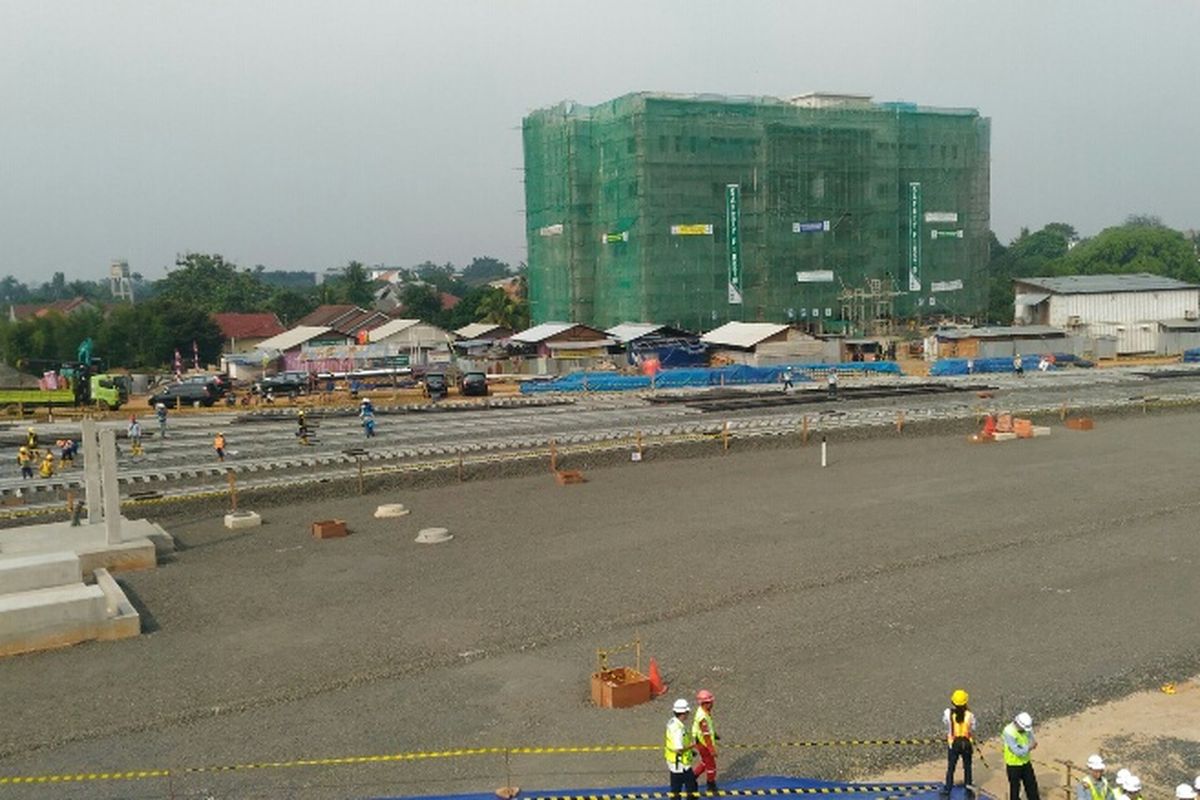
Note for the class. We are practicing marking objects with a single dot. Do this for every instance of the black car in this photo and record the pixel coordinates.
(473, 384)
(184, 394)
(285, 383)
(217, 384)
(436, 386)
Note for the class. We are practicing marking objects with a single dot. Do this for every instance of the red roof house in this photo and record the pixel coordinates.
(243, 332)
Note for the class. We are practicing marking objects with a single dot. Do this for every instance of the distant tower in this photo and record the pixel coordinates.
(118, 281)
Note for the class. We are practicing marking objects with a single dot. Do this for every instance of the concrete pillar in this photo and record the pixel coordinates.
(112, 495)
(91, 470)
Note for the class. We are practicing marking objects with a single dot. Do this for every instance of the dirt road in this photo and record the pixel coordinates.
(817, 604)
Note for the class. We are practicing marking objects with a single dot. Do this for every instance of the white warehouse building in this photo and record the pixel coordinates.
(1143, 313)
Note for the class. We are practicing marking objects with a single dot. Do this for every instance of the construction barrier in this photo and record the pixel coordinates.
(424, 755)
(701, 377)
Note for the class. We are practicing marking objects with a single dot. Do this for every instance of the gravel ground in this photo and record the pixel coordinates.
(836, 603)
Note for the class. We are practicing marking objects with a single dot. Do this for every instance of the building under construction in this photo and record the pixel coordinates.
(831, 211)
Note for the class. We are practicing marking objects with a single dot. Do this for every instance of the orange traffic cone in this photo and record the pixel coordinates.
(657, 686)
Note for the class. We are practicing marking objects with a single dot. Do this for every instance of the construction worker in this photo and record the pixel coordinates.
(367, 412)
(1185, 791)
(219, 445)
(1018, 744)
(787, 379)
(302, 427)
(679, 750)
(704, 734)
(31, 439)
(134, 432)
(1018, 365)
(25, 461)
(160, 413)
(1133, 787)
(46, 470)
(831, 381)
(960, 739)
(1094, 786)
(1118, 791)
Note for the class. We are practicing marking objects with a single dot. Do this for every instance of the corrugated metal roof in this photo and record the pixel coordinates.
(1180, 324)
(477, 330)
(390, 328)
(292, 338)
(542, 332)
(1004, 332)
(742, 334)
(1101, 284)
(628, 331)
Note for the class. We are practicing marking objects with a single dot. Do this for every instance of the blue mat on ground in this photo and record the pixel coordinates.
(769, 785)
(701, 377)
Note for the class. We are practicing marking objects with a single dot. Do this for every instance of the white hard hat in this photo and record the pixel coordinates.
(1095, 762)
(681, 707)
(1133, 784)
(1024, 721)
(1122, 776)
(1185, 791)
(1197, 783)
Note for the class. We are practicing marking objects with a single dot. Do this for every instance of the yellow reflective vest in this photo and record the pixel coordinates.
(1021, 738)
(678, 735)
(703, 731)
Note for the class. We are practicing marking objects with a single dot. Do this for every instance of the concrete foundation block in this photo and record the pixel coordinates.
(242, 519)
(38, 571)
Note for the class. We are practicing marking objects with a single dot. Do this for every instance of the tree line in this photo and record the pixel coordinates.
(175, 311)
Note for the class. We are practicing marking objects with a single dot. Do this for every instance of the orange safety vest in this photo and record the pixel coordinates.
(959, 730)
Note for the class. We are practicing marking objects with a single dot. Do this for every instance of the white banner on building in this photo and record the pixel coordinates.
(946, 286)
(936, 234)
(941, 216)
(815, 276)
(551, 230)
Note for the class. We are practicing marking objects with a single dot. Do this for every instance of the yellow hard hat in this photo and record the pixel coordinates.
(960, 697)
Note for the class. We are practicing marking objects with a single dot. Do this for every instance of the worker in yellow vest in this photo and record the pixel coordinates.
(704, 734)
(960, 739)
(679, 749)
(1094, 786)
(1018, 744)
(46, 469)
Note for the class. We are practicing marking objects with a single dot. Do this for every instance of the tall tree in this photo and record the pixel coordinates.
(213, 284)
(484, 269)
(1136, 247)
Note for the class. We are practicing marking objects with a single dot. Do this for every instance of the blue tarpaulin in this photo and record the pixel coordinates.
(801, 788)
(700, 377)
(958, 366)
(1192, 355)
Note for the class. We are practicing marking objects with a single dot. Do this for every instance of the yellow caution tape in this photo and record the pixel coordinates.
(463, 752)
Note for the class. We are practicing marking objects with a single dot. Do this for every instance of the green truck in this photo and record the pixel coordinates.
(106, 391)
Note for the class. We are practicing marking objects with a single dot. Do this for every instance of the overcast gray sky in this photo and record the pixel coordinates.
(303, 134)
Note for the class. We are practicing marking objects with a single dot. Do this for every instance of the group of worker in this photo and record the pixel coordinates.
(691, 750)
(30, 457)
(1018, 744)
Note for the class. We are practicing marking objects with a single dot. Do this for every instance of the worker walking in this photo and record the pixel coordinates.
(831, 381)
(1094, 786)
(25, 461)
(1018, 744)
(960, 739)
(1018, 365)
(302, 427)
(367, 412)
(160, 413)
(704, 734)
(787, 379)
(219, 445)
(31, 440)
(134, 432)
(679, 750)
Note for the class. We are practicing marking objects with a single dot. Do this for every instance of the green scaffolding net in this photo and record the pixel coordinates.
(830, 211)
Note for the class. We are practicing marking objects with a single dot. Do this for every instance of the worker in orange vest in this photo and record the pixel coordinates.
(960, 739)
(219, 445)
(705, 737)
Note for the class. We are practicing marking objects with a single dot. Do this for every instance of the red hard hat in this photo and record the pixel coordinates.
(704, 696)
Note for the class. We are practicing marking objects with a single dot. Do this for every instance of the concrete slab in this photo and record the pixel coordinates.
(24, 573)
(51, 609)
(242, 519)
(122, 619)
(141, 544)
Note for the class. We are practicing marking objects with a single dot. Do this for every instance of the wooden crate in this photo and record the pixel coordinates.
(329, 529)
(621, 687)
(1080, 423)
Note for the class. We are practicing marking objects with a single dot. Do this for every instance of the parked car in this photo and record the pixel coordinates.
(284, 383)
(473, 384)
(436, 386)
(183, 394)
(218, 384)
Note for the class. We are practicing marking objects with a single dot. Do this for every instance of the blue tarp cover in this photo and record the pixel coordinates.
(848, 791)
(736, 375)
(958, 366)
(1192, 355)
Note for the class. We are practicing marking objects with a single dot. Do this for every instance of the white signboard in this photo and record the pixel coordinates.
(946, 286)
(941, 216)
(936, 234)
(551, 230)
(815, 276)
